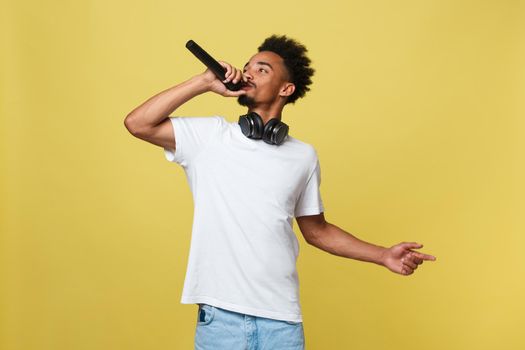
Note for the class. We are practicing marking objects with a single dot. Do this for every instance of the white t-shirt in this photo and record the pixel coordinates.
(246, 193)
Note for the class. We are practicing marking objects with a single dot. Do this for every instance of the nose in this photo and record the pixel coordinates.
(247, 74)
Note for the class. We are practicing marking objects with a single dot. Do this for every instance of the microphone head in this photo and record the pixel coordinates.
(212, 64)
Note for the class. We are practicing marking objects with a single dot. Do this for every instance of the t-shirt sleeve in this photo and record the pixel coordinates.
(192, 136)
(310, 201)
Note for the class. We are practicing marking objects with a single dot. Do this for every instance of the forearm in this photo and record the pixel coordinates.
(338, 242)
(159, 107)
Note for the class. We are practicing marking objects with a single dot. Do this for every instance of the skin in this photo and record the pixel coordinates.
(267, 86)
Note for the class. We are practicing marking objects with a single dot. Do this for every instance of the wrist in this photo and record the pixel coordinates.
(202, 85)
(382, 256)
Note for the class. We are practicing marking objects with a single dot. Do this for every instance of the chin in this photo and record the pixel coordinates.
(247, 101)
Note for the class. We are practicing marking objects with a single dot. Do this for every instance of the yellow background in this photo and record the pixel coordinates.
(417, 113)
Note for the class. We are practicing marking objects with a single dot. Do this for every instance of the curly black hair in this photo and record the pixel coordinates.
(297, 63)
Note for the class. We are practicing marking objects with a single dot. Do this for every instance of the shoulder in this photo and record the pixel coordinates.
(307, 150)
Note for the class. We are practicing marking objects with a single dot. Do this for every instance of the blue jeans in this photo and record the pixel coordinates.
(219, 329)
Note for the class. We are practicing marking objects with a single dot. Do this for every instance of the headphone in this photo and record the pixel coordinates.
(273, 133)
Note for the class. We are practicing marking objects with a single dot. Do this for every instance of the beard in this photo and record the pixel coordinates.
(244, 100)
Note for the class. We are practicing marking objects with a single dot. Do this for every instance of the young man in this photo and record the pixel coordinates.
(242, 265)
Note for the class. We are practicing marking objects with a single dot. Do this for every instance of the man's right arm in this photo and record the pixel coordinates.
(150, 121)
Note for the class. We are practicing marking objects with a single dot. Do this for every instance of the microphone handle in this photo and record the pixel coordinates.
(212, 64)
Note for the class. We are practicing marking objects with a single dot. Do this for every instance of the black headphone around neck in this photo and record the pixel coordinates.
(273, 133)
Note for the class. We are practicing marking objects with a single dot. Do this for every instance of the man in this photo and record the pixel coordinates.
(242, 265)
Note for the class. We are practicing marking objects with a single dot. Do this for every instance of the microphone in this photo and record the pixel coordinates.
(212, 64)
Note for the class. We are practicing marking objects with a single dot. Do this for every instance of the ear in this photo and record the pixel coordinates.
(287, 89)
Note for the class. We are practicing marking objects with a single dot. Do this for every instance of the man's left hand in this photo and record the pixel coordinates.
(401, 259)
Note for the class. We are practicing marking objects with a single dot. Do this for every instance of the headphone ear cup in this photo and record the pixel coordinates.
(245, 125)
(281, 133)
(275, 132)
(268, 130)
(258, 125)
(251, 125)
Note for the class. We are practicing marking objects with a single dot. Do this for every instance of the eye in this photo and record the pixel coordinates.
(263, 70)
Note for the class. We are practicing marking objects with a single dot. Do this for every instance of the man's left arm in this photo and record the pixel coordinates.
(399, 258)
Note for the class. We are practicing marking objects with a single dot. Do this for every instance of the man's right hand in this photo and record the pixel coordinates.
(214, 84)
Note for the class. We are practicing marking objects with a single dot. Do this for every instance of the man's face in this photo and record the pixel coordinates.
(266, 75)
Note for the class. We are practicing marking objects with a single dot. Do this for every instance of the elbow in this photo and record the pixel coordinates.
(310, 241)
(136, 128)
(313, 227)
(315, 234)
(308, 236)
(313, 241)
(130, 125)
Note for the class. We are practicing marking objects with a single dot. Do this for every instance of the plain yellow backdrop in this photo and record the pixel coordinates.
(417, 113)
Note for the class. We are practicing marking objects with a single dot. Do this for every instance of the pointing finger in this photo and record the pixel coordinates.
(414, 258)
(424, 256)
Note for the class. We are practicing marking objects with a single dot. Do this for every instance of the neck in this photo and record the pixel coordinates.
(267, 113)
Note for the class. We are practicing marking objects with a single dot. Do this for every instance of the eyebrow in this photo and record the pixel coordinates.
(260, 62)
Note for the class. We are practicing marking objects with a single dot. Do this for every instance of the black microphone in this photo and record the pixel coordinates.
(212, 64)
